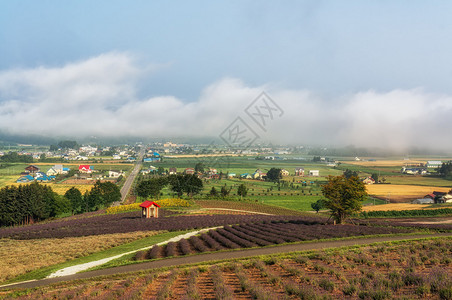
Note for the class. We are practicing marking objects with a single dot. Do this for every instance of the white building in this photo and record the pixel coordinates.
(314, 173)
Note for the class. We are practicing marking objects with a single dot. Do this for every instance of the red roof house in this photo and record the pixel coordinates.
(85, 169)
(149, 209)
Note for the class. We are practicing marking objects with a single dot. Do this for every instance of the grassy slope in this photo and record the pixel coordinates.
(44, 272)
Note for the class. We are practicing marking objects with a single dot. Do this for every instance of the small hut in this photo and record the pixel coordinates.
(149, 209)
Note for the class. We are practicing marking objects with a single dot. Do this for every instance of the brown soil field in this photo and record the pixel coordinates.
(21, 256)
(405, 270)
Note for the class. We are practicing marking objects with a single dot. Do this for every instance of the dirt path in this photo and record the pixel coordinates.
(221, 256)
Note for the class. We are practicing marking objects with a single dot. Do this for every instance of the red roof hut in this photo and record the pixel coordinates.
(149, 209)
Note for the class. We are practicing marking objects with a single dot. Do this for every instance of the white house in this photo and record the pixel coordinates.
(434, 164)
(115, 174)
(314, 173)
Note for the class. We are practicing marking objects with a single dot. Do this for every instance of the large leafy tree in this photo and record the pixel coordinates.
(187, 183)
(101, 195)
(151, 187)
(274, 174)
(344, 196)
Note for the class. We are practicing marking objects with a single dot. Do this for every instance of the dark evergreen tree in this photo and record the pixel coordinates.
(76, 200)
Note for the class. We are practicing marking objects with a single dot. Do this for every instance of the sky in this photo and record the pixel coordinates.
(367, 73)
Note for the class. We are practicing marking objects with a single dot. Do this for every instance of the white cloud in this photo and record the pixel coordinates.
(98, 97)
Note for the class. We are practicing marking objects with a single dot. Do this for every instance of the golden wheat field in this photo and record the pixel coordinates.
(384, 163)
(397, 206)
(60, 189)
(402, 191)
(20, 256)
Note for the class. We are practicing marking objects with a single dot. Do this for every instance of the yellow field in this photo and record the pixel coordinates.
(384, 163)
(61, 189)
(391, 162)
(398, 192)
(397, 206)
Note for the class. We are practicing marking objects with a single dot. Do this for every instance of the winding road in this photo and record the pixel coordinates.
(215, 256)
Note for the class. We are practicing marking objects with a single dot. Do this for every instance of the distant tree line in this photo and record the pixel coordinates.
(14, 157)
(25, 204)
(64, 145)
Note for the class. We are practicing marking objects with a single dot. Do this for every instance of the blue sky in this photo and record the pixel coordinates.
(333, 51)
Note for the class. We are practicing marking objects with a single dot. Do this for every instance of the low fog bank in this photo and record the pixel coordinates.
(98, 97)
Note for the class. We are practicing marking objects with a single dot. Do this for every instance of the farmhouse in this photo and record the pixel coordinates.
(284, 172)
(87, 169)
(56, 170)
(299, 171)
(115, 174)
(25, 179)
(172, 171)
(314, 173)
(368, 180)
(32, 169)
(149, 209)
(189, 171)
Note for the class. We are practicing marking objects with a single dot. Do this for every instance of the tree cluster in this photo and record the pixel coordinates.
(14, 157)
(446, 169)
(27, 204)
(151, 187)
(189, 184)
(103, 194)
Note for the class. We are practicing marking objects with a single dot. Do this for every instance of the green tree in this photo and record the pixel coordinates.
(213, 192)
(224, 192)
(151, 187)
(242, 191)
(375, 177)
(193, 185)
(344, 196)
(318, 205)
(76, 200)
(349, 173)
(274, 174)
(199, 167)
(177, 184)
(446, 169)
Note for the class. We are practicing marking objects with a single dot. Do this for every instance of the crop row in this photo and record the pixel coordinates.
(405, 270)
(441, 227)
(408, 213)
(130, 222)
(249, 235)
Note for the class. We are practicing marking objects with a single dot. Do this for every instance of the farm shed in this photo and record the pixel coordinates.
(314, 173)
(149, 209)
(423, 201)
